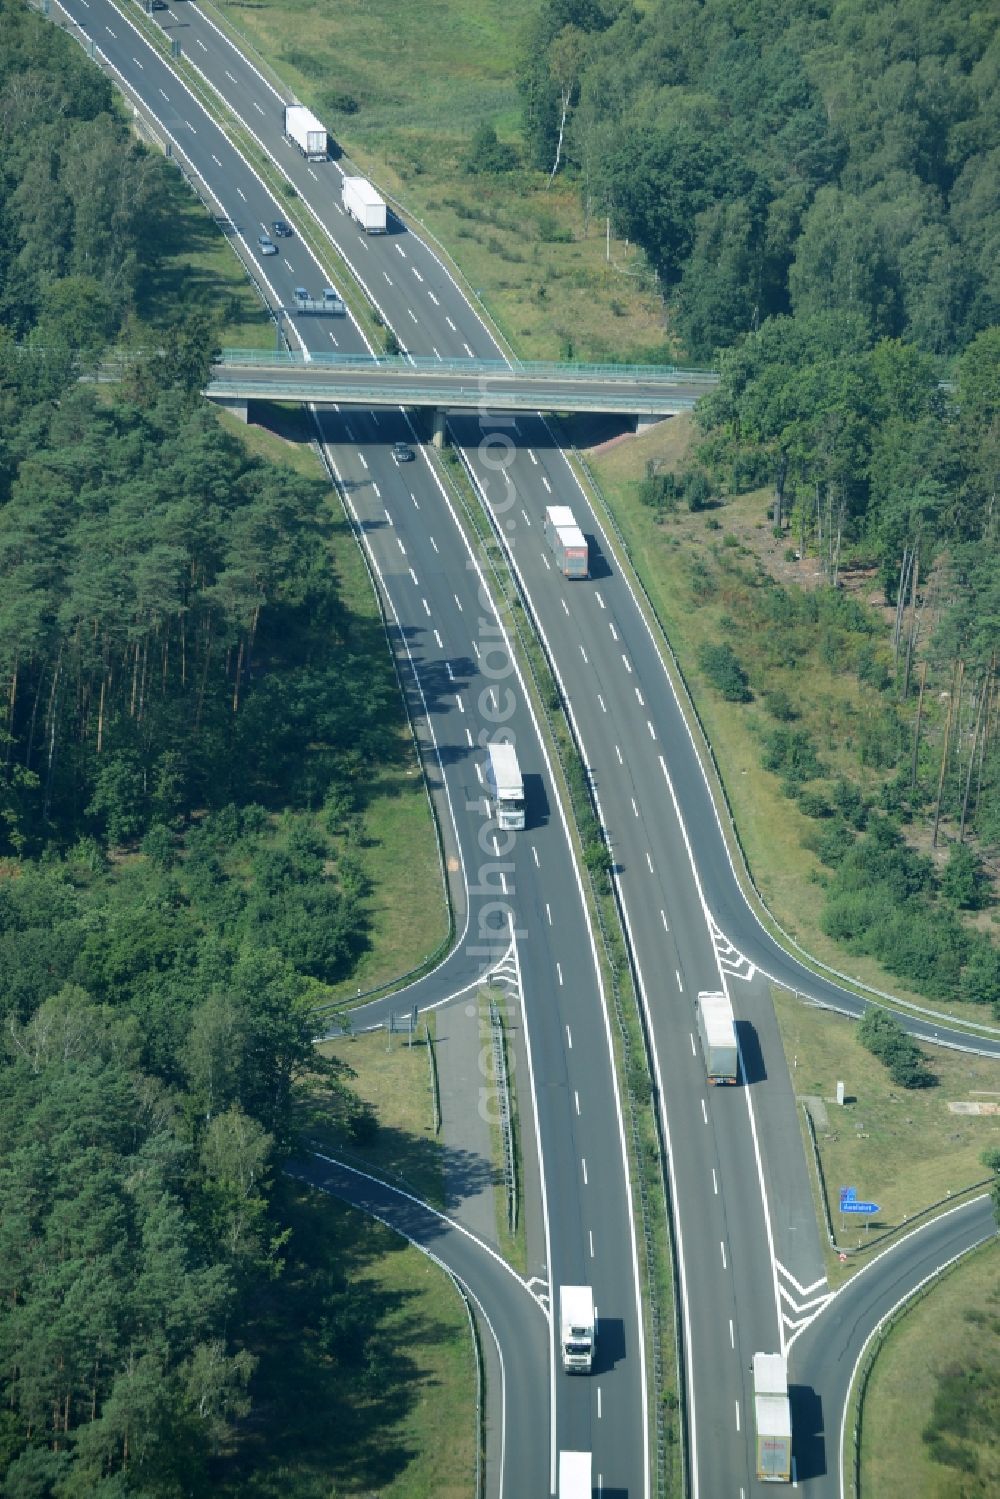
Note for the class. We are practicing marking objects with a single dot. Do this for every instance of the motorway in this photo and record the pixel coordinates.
(457, 668)
(752, 1270)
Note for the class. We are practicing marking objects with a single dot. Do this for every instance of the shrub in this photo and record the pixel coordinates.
(487, 155)
(882, 1034)
(780, 705)
(661, 491)
(721, 665)
(962, 880)
(791, 754)
(550, 231)
(981, 974)
(336, 101)
(815, 804)
(697, 489)
(834, 843)
(850, 803)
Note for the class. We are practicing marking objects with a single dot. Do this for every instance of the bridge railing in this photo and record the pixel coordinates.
(489, 368)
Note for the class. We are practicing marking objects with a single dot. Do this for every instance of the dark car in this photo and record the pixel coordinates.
(402, 452)
(267, 245)
(280, 229)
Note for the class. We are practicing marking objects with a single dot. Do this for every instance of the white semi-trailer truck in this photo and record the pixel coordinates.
(304, 130)
(567, 541)
(364, 204)
(717, 1031)
(772, 1418)
(577, 1328)
(505, 787)
(575, 1475)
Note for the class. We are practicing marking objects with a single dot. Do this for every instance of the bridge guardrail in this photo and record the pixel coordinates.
(496, 368)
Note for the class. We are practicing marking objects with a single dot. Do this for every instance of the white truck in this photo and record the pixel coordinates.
(772, 1418)
(505, 787)
(577, 1328)
(363, 203)
(575, 1475)
(304, 130)
(568, 543)
(717, 1031)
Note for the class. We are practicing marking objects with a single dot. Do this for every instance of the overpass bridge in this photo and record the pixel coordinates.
(647, 392)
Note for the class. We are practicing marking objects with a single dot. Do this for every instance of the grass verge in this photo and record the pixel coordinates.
(513, 1244)
(905, 1150)
(365, 1359)
(937, 1373)
(393, 1135)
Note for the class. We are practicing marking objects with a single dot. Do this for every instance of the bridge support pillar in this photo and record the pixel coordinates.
(440, 435)
(643, 422)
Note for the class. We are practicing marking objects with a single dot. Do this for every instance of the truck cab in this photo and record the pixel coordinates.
(577, 1328)
(505, 787)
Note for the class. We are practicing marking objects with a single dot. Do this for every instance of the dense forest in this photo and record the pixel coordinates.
(817, 184)
(789, 156)
(186, 714)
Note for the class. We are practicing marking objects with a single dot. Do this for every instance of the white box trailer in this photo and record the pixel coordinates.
(717, 1031)
(575, 1475)
(577, 1328)
(505, 786)
(364, 204)
(304, 130)
(772, 1418)
(567, 541)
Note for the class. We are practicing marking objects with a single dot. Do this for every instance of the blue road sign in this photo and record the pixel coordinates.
(848, 1194)
(859, 1207)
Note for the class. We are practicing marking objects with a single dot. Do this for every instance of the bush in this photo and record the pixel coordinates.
(963, 881)
(661, 491)
(850, 803)
(882, 1034)
(550, 230)
(697, 489)
(981, 974)
(833, 844)
(335, 101)
(487, 155)
(721, 665)
(780, 705)
(790, 753)
(815, 804)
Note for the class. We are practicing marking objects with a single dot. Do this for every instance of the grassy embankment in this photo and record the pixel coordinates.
(421, 82)
(691, 565)
(933, 1399)
(903, 1150)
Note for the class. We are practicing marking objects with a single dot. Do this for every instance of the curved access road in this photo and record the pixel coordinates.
(513, 1325)
(826, 1356)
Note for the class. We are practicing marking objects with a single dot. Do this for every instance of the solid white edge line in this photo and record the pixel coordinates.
(465, 1290)
(938, 1270)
